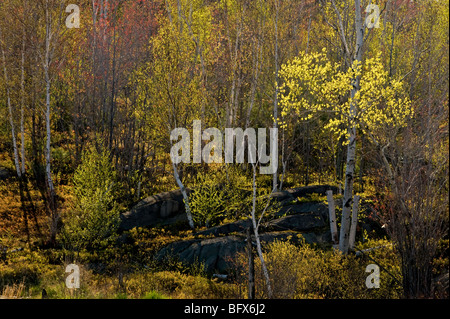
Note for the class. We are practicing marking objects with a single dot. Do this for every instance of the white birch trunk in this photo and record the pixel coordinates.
(351, 147)
(332, 214)
(22, 106)
(10, 112)
(185, 196)
(354, 223)
(47, 111)
(348, 193)
(46, 66)
(275, 98)
(257, 239)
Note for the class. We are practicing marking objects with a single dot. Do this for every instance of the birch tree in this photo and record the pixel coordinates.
(354, 110)
(373, 101)
(53, 18)
(255, 225)
(351, 130)
(10, 108)
(275, 97)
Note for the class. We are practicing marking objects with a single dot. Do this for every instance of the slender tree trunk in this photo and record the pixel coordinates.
(22, 105)
(251, 266)
(48, 173)
(234, 52)
(332, 214)
(354, 222)
(185, 196)
(351, 147)
(275, 98)
(113, 89)
(10, 112)
(256, 71)
(348, 192)
(257, 239)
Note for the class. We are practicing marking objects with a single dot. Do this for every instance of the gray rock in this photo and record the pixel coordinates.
(161, 209)
(4, 173)
(299, 222)
(218, 253)
(239, 226)
(281, 196)
(307, 190)
(304, 207)
(168, 207)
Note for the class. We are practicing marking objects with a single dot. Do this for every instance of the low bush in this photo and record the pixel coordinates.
(301, 271)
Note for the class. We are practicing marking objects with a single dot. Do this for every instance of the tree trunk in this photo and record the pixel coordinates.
(351, 147)
(185, 196)
(332, 214)
(48, 173)
(275, 98)
(11, 120)
(348, 193)
(251, 266)
(258, 241)
(354, 223)
(22, 106)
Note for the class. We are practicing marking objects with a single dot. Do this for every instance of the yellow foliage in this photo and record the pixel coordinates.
(313, 84)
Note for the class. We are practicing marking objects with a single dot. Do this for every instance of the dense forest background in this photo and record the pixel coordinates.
(101, 100)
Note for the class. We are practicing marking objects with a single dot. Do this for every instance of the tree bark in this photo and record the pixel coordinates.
(185, 196)
(332, 214)
(251, 266)
(257, 239)
(354, 222)
(351, 147)
(11, 119)
(275, 98)
(48, 173)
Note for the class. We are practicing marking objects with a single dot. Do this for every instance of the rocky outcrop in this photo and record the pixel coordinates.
(161, 209)
(296, 218)
(217, 253)
(168, 208)
(308, 190)
(4, 173)
(286, 197)
(299, 222)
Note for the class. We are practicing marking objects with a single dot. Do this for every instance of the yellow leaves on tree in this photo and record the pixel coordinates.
(311, 84)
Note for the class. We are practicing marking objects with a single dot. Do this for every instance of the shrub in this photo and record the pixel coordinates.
(219, 195)
(306, 272)
(225, 195)
(207, 201)
(154, 295)
(93, 222)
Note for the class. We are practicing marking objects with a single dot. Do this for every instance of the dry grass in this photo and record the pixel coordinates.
(13, 292)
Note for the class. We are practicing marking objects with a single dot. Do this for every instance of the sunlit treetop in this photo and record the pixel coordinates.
(312, 84)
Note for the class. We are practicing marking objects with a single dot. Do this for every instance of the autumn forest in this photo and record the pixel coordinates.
(114, 115)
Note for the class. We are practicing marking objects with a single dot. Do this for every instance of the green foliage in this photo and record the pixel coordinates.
(226, 195)
(218, 195)
(154, 295)
(208, 201)
(93, 222)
